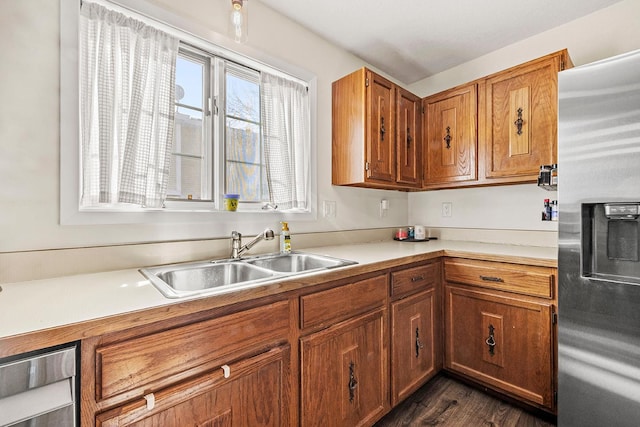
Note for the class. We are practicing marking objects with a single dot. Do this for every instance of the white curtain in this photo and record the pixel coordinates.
(127, 78)
(286, 136)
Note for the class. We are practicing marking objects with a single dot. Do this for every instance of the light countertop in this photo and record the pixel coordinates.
(47, 304)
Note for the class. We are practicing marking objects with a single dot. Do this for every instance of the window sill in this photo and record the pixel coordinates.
(98, 216)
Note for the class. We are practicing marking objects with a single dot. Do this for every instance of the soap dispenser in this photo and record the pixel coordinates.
(285, 239)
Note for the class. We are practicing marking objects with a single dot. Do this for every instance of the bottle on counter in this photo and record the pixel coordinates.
(546, 213)
(554, 210)
(285, 238)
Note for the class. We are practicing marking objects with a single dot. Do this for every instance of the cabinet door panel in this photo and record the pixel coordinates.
(343, 373)
(502, 341)
(381, 127)
(451, 137)
(413, 343)
(521, 114)
(408, 139)
(253, 395)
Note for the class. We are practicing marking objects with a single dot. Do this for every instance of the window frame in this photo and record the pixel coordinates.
(181, 211)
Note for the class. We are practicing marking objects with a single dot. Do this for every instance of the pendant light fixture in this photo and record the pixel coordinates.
(239, 20)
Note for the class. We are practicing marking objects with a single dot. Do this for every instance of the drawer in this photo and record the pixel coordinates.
(414, 279)
(337, 304)
(167, 356)
(521, 279)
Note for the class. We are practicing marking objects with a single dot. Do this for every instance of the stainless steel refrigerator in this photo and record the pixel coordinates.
(599, 243)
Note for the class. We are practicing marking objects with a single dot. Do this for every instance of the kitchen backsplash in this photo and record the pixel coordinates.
(43, 264)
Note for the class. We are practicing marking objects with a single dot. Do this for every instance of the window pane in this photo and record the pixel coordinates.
(188, 177)
(185, 178)
(189, 78)
(188, 135)
(244, 179)
(243, 142)
(243, 98)
(245, 171)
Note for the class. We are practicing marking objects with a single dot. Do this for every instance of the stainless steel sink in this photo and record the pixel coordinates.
(216, 277)
(193, 278)
(297, 262)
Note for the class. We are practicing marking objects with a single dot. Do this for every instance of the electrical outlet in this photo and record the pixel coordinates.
(447, 207)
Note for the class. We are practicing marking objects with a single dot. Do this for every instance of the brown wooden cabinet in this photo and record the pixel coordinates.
(415, 329)
(520, 119)
(343, 367)
(501, 335)
(247, 393)
(450, 136)
(342, 353)
(408, 139)
(366, 110)
(228, 370)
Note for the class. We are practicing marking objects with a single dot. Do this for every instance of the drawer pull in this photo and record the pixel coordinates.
(491, 342)
(491, 278)
(417, 278)
(226, 371)
(419, 344)
(151, 401)
(353, 383)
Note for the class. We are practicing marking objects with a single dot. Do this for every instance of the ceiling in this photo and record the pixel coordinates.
(413, 39)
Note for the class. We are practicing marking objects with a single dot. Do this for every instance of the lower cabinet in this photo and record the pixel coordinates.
(343, 373)
(503, 340)
(413, 343)
(343, 354)
(248, 393)
(415, 328)
(340, 354)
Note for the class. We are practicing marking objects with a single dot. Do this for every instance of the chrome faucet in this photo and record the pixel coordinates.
(236, 242)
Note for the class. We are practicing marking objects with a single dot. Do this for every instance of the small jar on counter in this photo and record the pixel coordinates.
(401, 234)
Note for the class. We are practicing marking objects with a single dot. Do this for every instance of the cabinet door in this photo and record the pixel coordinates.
(381, 129)
(408, 138)
(451, 136)
(504, 342)
(413, 343)
(521, 119)
(343, 373)
(252, 393)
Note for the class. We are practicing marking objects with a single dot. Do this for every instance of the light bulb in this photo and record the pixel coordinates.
(238, 21)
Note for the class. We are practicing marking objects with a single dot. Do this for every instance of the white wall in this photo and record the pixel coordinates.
(605, 33)
(29, 126)
(29, 130)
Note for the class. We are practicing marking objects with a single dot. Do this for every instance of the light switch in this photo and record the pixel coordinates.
(329, 208)
(447, 207)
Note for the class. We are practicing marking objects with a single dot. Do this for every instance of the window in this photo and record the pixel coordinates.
(230, 132)
(244, 158)
(191, 155)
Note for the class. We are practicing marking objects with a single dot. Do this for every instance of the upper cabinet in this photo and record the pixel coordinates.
(376, 137)
(498, 129)
(520, 119)
(408, 139)
(450, 137)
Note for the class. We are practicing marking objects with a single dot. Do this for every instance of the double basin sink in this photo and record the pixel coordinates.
(216, 277)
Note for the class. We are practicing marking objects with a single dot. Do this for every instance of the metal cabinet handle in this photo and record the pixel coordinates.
(491, 278)
(382, 129)
(491, 342)
(447, 138)
(519, 122)
(417, 278)
(419, 344)
(353, 383)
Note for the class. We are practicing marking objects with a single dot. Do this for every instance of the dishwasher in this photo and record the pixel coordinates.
(39, 388)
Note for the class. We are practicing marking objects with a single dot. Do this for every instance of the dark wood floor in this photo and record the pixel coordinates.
(444, 401)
